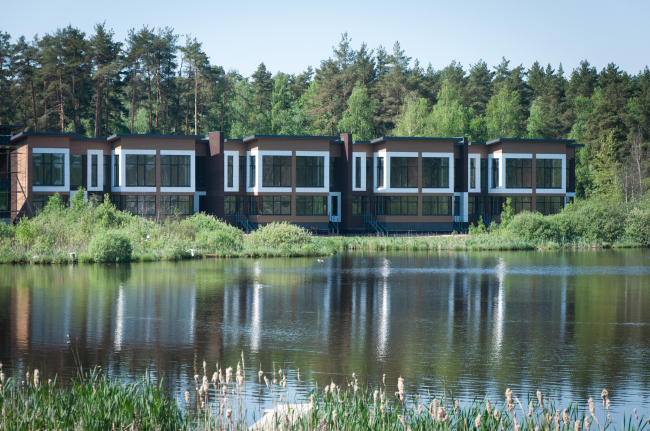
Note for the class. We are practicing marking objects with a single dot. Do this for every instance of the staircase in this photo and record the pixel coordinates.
(487, 219)
(244, 223)
(333, 226)
(458, 225)
(374, 224)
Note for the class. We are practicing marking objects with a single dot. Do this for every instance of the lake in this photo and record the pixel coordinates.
(567, 322)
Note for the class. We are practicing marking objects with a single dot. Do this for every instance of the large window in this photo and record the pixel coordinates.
(276, 205)
(76, 170)
(233, 204)
(175, 171)
(140, 170)
(458, 178)
(476, 205)
(435, 172)
(436, 205)
(548, 173)
(403, 172)
(199, 172)
(495, 173)
(549, 204)
(380, 172)
(357, 172)
(521, 203)
(472, 173)
(94, 173)
(141, 205)
(252, 172)
(571, 176)
(242, 171)
(107, 171)
(496, 205)
(276, 171)
(310, 171)
(360, 205)
(175, 205)
(4, 204)
(311, 205)
(484, 173)
(519, 173)
(397, 205)
(49, 169)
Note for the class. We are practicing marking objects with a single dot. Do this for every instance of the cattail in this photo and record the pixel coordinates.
(228, 414)
(635, 416)
(196, 378)
(530, 409)
(384, 379)
(457, 407)
(221, 409)
(221, 379)
(382, 396)
(510, 404)
(204, 366)
(332, 388)
(501, 424)
(240, 380)
(298, 374)
(2, 377)
(477, 422)
(0, 366)
(327, 389)
(400, 388)
(402, 420)
(243, 363)
(260, 373)
(592, 407)
(37, 376)
(557, 418)
(607, 403)
(312, 402)
(442, 415)
(27, 376)
(540, 399)
(587, 423)
(280, 372)
(604, 395)
(375, 395)
(187, 397)
(49, 383)
(383, 406)
(228, 375)
(488, 407)
(334, 419)
(266, 380)
(433, 408)
(577, 426)
(536, 427)
(281, 398)
(496, 413)
(215, 378)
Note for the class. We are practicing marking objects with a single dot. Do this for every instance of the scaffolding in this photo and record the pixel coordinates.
(13, 178)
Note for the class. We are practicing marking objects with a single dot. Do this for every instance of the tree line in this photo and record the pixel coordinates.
(159, 82)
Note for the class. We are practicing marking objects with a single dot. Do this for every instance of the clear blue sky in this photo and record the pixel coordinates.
(290, 35)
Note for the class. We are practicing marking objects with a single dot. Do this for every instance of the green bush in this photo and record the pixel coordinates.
(279, 234)
(7, 231)
(25, 232)
(638, 226)
(109, 246)
(223, 238)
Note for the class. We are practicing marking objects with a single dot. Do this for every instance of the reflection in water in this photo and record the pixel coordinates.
(569, 323)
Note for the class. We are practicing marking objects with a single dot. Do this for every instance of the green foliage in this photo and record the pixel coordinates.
(280, 234)
(638, 226)
(78, 202)
(25, 232)
(478, 228)
(502, 114)
(108, 246)
(358, 117)
(7, 231)
(224, 240)
(507, 213)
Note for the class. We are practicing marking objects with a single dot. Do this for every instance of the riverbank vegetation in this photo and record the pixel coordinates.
(219, 402)
(91, 231)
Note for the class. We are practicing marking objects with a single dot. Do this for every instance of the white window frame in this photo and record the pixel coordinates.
(502, 174)
(235, 171)
(326, 180)
(259, 154)
(122, 187)
(66, 165)
(477, 173)
(100, 170)
(450, 189)
(544, 190)
(361, 155)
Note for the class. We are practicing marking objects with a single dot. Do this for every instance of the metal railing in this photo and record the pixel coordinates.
(375, 224)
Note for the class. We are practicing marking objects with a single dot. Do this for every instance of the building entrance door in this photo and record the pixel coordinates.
(334, 207)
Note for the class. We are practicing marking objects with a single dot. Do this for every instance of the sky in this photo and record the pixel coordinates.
(290, 35)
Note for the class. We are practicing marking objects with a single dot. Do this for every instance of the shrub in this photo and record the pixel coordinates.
(224, 239)
(7, 230)
(109, 246)
(479, 228)
(25, 232)
(638, 226)
(279, 234)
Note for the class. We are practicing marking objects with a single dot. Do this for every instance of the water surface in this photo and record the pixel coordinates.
(567, 322)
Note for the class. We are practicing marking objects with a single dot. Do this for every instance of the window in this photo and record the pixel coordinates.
(311, 205)
(252, 205)
(175, 205)
(334, 172)
(175, 171)
(4, 204)
(116, 170)
(457, 205)
(495, 175)
(436, 205)
(548, 173)
(233, 204)
(276, 205)
(76, 170)
(360, 205)
(242, 171)
(571, 176)
(93, 170)
(472, 173)
(39, 201)
(397, 205)
(403, 172)
(276, 171)
(140, 170)
(251, 173)
(458, 179)
(141, 205)
(199, 172)
(495, 205)
(369, 172)
(549, 204)
(380, 172)
(310, 171)
(519, 173)
(107, 171)
(357, 172)
(435, 172)
(476, 205)
(230, 171)
(49, 169)
(484, 173)
(117, 201)
(520, 203)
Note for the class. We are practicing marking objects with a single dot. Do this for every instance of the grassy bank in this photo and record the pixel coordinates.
(98, 232)
(94, 402)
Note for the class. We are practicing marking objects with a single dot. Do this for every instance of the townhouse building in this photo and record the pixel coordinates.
(323, 183)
